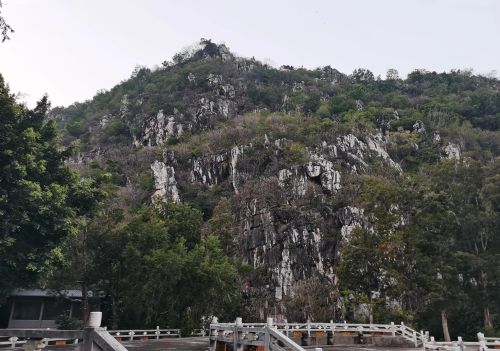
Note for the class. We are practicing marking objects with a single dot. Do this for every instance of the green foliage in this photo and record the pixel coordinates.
(340, 104)
(156, 255)
(65, 322)
(265, 96)
(76, 128)
(223, 227)
(312, 103)
(146, 181)
(115, 127)
(295, 153)
(41, 199)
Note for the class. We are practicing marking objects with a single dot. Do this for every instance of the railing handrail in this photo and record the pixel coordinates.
(418, 338)
(38, 338)
(284, 339)
(42, 333)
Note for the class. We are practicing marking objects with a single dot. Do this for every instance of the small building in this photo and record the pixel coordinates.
(37, 308)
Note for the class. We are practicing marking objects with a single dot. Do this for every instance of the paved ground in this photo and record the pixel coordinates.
(361, 348)
(167, 344)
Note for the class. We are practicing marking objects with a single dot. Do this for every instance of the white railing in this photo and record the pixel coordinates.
(120, 335)
(144, 334)
(482, 344)
(240, 335)
(413, 336)
(11, 338)
(199, 332)
(14, 341)
(92, 338)
(492, 342)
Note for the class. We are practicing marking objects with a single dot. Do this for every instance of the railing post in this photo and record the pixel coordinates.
(267, 336)
(237, 324)
(131, 334)
(13, 341)
(213, 333)
(415, 338)
(393, 329)
(460, 343)
(332, 327)
(482, 342)
(308, 328)
(93, 323)
(35, 344)
(95, 319)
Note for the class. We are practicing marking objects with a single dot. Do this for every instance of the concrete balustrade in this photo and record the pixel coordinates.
(93, 337)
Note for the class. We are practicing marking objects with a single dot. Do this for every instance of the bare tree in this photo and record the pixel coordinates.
(5, 29)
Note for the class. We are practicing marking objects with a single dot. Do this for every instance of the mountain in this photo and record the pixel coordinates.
(302, 159)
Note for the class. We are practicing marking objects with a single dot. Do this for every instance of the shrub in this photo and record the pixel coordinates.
(116, 127)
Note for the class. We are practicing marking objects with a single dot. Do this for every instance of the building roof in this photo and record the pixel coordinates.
(47, 293)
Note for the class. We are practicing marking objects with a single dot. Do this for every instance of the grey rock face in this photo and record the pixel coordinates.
(165, 182)
(158, 129)
(451, 151)
(280, 230)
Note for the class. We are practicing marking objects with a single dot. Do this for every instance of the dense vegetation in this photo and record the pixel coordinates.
(41, 199)
(429, 253)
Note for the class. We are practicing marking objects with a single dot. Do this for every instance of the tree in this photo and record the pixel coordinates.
(363, 75)
(5, 29)
(370, 268)
(392, 74)
(41, 199)
(156, 255)
(222, 226)
(451, 241)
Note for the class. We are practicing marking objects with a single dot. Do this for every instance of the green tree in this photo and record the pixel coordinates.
(452, 241)
(156, 255)
(41, 199)
(222, 226)
(370, 267)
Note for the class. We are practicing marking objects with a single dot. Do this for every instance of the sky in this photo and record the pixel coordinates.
(70, 49)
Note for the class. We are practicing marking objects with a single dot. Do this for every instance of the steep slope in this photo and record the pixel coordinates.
(288, 147)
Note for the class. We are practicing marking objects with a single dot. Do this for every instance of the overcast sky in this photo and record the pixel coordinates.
(72, 48)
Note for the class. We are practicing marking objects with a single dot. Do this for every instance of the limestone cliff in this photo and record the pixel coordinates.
(285, 145)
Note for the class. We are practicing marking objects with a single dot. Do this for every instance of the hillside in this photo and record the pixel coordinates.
(326, 186)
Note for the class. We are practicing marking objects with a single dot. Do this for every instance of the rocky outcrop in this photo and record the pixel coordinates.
(292, 246)
(357, 152)
(280, 231)
(294, 181)
(351, 218)
(158, 129)
(214, 169)
(165, 182)
(451, 151)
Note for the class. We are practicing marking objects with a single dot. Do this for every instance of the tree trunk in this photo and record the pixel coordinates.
(114, 311)
(444, 322)
(488, 324)
(85, 304)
